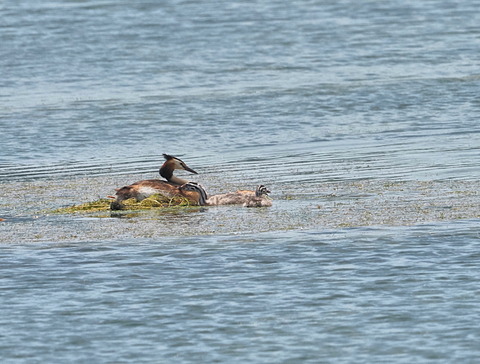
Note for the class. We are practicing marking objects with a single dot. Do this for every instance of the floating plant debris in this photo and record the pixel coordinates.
(152, 202)
(31, 209)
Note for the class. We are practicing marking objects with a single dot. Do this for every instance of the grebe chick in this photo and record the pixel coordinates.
(194, 192)
(142, 189)
(246, 198)
(260, 199)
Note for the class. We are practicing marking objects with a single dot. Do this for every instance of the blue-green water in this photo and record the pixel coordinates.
(361, 117)
(366, 295)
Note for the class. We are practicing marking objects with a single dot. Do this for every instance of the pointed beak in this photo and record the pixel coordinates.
(187, 168)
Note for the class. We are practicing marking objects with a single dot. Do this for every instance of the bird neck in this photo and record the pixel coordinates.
(176, 180)
(166, 171)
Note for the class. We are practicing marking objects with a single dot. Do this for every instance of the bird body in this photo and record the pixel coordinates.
(257, 198)
(145, 188)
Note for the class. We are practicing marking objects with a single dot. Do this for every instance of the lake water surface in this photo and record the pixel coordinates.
(360, 116)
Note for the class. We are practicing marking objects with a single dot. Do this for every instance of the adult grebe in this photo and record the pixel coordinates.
(145, 188)
(172, 163)
(257, 198)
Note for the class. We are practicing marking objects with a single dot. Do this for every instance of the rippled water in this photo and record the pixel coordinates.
(369, 295)
(361, 117)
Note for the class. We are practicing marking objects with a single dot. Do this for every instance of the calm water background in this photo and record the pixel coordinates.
(332, 104)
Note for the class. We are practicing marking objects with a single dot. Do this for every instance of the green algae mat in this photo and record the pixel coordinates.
(153, 202)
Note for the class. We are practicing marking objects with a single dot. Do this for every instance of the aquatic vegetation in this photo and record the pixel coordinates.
(33, 214)
(94, 206)
(152, 202)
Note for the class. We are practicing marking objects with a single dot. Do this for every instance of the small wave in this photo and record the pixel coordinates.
(72, 169)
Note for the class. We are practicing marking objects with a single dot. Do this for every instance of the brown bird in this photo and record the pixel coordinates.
(142, 189)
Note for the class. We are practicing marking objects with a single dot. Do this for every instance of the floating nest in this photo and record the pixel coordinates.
(153, 202)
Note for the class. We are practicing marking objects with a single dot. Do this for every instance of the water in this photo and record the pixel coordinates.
(373, 295)
(361, 117)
